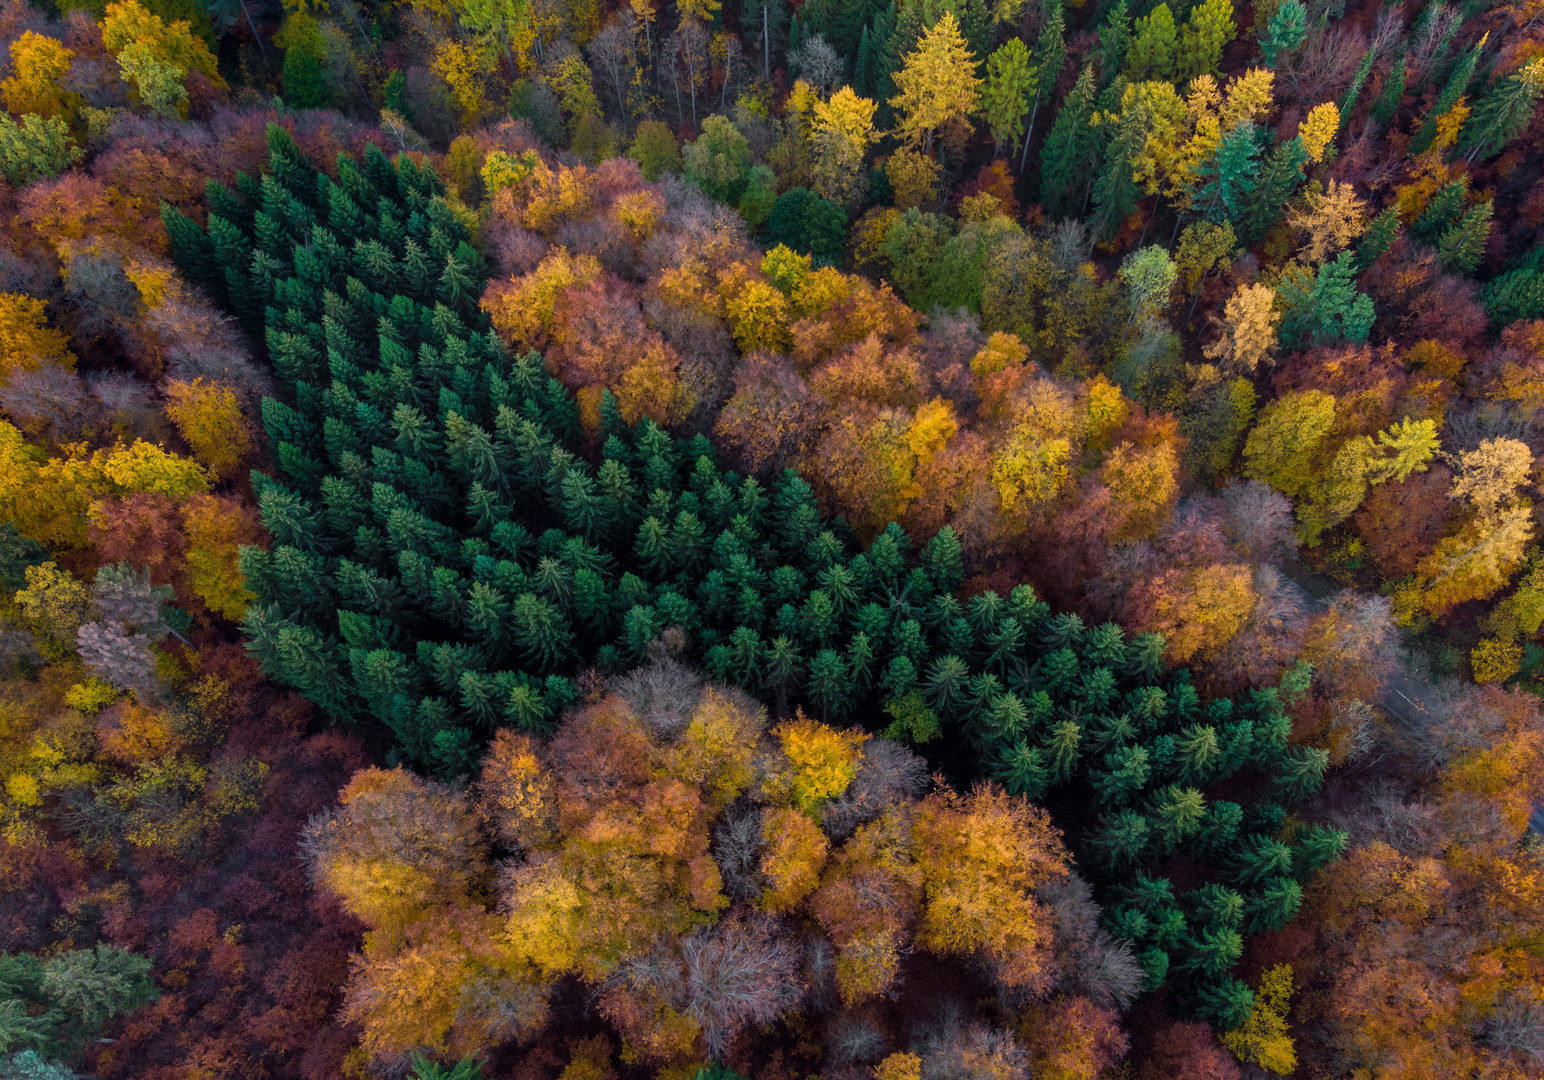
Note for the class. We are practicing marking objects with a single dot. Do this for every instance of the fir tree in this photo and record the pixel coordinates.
(1442, 211)
(1282, 173)
(1067, 150)
(1504, 113)
(193, 250)
(305, 84)
(1462, 246)
(1380, 236)
(1114, 39)
(1230, 175)
(1354, 91)
(1050, 55)
(1455, 88)
(1284, 33)
(1393, 92)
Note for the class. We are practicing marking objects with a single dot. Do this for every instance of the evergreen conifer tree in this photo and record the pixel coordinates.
(1067, 150)
(1454, 89)
(1114, 40)
(1387, 105)
(1284, 33)
(1230, 175)
(1380, 236)
(1279, 178)
(1048, 58)
(1504, 113)
(1462, 246)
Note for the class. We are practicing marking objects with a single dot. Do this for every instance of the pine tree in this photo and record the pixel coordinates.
(1227, 1003)
(1300, 772)
(783, 670)
(1048, 59)
(1230, 175)
(1126, 771)
(1444, 209)
(1213, 952)
(1315, 848)
(1122, 839)
(829, 684)
(1261, 857)
(1198, 754)
(305, 83)
(1061, 747)
(1455, 88)
(1393, 92)
(864, 76)
(1023, 772)
(893, 36)
(1116, 190)
(1273, 907)
(1282, 173)
(1516, 294)
(1285, 32)
(1461, 247)
(1217, 905)
(1354, 91)
(1504, 113)
(1114, 40)
(1380, 236)
(1005, 96)
(193, 251)
(1177, 815)
(1067, 150)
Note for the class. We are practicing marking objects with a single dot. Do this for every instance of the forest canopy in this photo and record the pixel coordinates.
(869, 540)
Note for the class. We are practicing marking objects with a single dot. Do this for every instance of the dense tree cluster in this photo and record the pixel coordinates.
(444, 568)
(703, 874)
(597, 368)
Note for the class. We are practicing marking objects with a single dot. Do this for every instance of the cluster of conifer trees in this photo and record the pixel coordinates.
(446, 556)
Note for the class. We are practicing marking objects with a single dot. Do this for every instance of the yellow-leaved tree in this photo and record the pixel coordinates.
(405, 855)
(1481, 558)
(396, 847)
(27, 342)
(49, 498)
(629, 863)
(823, 760)
(37, 65)
(842, 133)
(127, 23)
(217, 528)
(981, 857)
(155, 56)
(1318, 130)
(937, 84)
(1263, 1038)
(210, 419)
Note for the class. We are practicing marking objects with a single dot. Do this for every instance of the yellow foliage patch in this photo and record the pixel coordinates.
(824, 759)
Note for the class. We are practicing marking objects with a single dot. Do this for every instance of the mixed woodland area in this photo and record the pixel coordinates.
(867, 540)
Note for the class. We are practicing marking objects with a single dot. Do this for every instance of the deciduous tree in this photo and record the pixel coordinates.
(937, 84)
(981, 857)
